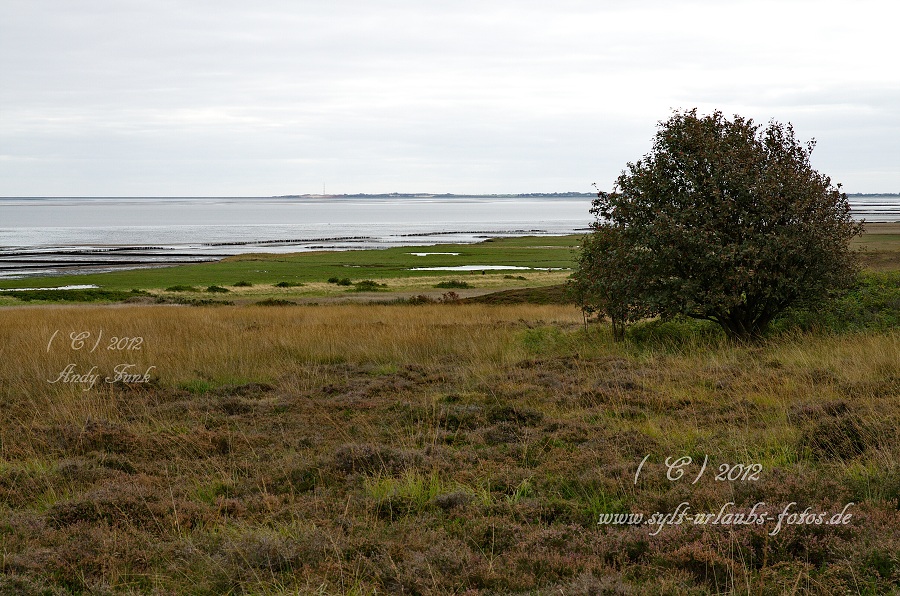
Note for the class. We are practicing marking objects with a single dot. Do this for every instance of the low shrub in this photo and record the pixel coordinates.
(454, 284)
(420, 299)
(217, 289)
(288, 284)
(181, 288)
(368, 285)
(243, 284)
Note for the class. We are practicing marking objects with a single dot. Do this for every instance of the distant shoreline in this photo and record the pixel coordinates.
(426, 195)
(393, 195)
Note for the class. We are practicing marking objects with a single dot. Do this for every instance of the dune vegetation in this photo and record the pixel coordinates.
(438, 448)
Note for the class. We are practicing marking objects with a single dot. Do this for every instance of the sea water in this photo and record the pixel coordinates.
(47, 236)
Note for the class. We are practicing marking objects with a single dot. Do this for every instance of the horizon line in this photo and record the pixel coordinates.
(358, 194)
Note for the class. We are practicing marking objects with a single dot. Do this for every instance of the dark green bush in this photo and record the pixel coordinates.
(243, 284)
(217, 289)
(288, 284)
(368, 285)
(182, 288)
(453, 284)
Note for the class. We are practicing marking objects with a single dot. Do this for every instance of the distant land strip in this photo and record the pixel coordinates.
(426, 195)
(530, 195)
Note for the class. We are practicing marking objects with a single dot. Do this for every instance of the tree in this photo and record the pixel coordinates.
(604, 283)
(724, 220)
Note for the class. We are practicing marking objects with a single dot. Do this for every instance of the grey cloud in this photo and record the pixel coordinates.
(227, 97)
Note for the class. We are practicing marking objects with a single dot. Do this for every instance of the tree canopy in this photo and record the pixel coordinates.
(724, 220)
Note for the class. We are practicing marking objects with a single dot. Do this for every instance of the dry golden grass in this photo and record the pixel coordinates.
(241, 344)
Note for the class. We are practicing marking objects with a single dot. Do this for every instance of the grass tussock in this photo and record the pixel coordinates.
(434, 449)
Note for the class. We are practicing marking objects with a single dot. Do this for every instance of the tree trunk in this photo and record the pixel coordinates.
(738, 329)
(618, 328)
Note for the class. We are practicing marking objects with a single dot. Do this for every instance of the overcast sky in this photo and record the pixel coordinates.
(269, 97)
